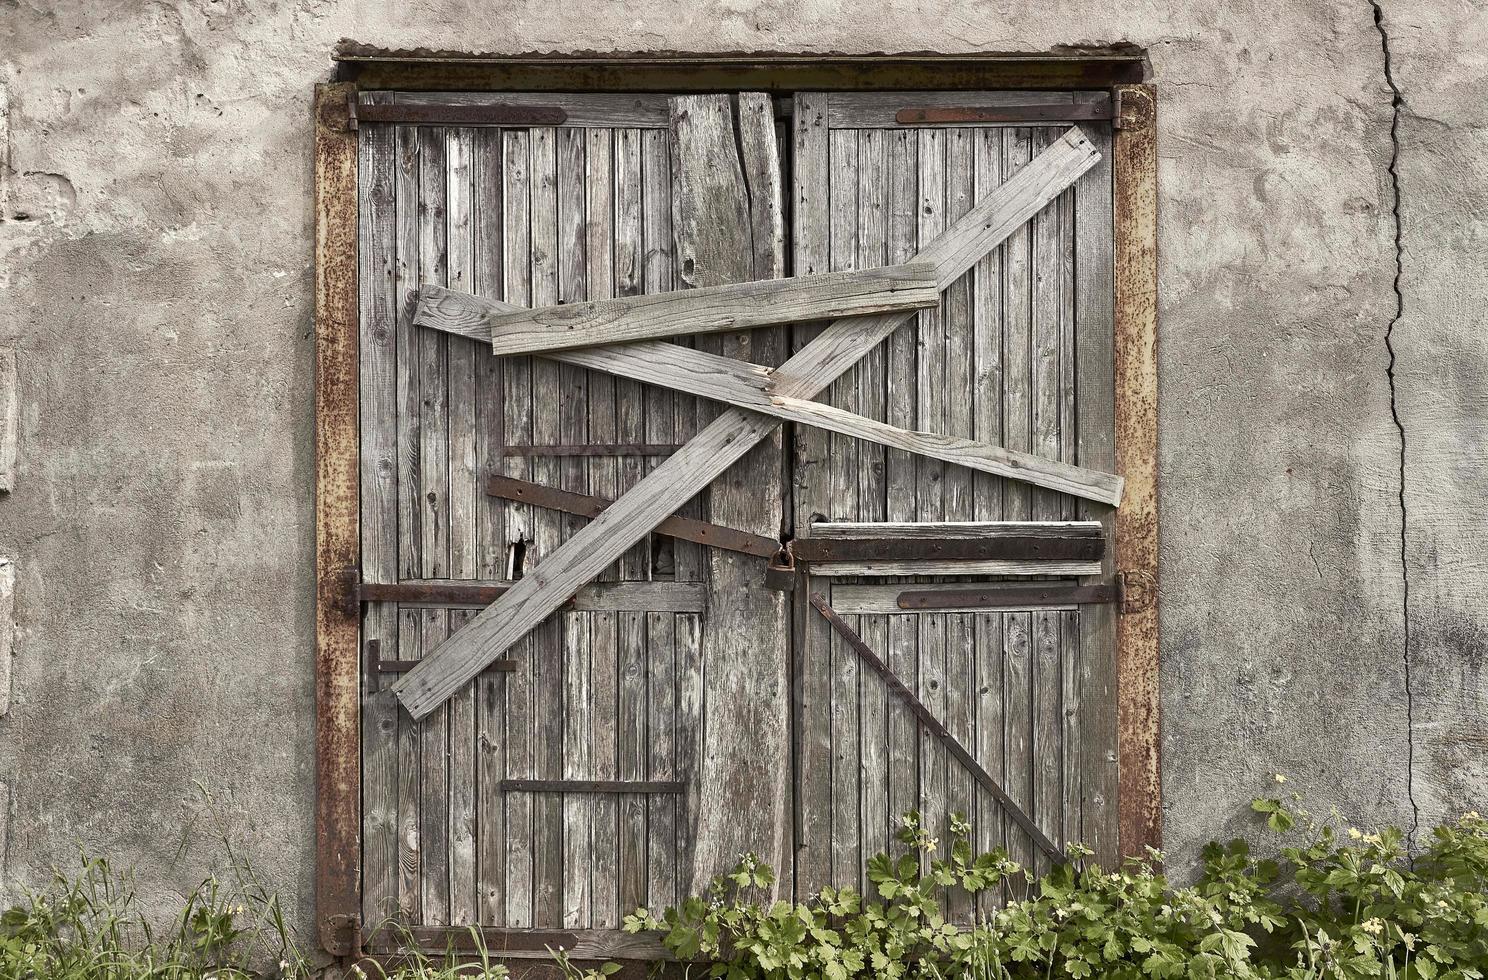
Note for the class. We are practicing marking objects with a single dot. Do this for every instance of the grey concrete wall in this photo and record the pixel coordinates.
(1320, 609)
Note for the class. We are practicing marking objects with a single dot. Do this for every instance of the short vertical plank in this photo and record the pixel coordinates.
(432, 348)
(1017, 715)
(813, 745)
(521, 759)
(1134, 158)
(464, 525)
(379, 510)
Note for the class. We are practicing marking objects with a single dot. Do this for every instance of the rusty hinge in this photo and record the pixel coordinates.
(1017, 547)
(1116, 121)
(1137, 592)
(348, 932)
(348, 587)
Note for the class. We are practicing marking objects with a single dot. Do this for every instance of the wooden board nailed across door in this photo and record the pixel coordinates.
(686, 677)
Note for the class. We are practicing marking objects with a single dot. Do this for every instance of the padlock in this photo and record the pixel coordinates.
(780, 573)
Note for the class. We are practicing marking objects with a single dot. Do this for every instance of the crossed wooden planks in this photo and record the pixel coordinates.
(810, 370)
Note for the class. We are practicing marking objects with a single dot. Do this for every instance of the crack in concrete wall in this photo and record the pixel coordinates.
(1397, 102)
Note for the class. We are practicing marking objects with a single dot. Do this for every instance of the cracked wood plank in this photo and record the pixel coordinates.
(756, 387)
(728, 227)
(726, 440)
(722, 308)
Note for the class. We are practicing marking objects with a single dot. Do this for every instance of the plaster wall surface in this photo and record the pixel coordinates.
(1323, 580)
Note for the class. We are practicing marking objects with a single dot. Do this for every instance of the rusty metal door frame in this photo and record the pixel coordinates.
(337, 658)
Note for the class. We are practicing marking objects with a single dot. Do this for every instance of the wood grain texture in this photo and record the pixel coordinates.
(680, 477)
(713, 309)
(726, 228)
(870, 110)
(583, 109)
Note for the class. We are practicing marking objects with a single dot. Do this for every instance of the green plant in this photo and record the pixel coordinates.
(1333, 907)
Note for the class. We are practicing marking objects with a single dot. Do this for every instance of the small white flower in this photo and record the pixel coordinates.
(1280, 778)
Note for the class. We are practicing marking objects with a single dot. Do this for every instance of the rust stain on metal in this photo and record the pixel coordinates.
(427, 70)
(498, 114)
(337, 744)
(1134, 165)
(1011, 547)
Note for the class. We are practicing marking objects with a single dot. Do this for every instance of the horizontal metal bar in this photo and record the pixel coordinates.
(434, 593)
(498, 114)
(1039, 548)
(584, 505)
(376, 666)
(590, 786)
(931, 115)
(617, 449)
(1016, 597)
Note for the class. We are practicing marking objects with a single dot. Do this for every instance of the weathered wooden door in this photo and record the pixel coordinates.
(1018, 354)
(582, 773)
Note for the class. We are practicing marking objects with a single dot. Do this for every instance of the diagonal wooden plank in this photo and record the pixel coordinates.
(728, 438)
(754, 387)
(714, 309)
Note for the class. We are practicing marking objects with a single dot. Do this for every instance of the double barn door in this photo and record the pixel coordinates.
(675, 711)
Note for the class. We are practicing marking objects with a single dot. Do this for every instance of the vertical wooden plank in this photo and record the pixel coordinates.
(872, 389)
(1047, 402)
(1134, 159)
(958, 486)
(463, 524)
(599, 190)
(630, 411)
(432, 349)
(571, 408)
(727, 229)
(488, 279)
(336, 655)
(378, 508)
(1017, 412)
(842, 495)
(547, 533)
(931, 400)
(1095, 446)
(904, 751)
(410, 900)
(987, 426)
(813, 746)
(662, 412)
(521, 760)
